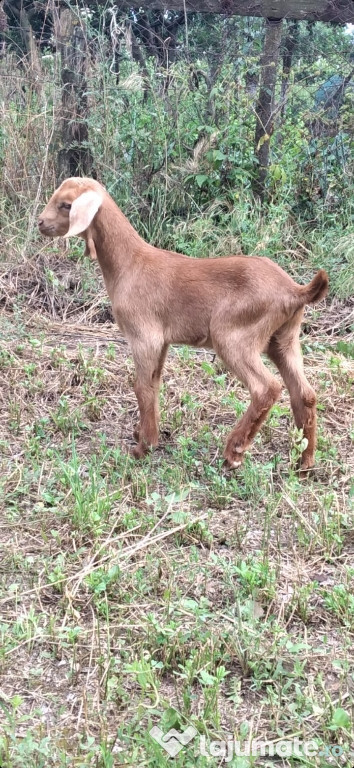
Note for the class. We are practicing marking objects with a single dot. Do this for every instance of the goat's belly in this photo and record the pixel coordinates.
(192, 340)
(205, 342)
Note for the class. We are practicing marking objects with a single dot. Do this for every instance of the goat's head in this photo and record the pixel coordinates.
(72, 208)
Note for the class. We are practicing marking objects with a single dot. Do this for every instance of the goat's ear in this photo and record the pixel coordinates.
(82, 212)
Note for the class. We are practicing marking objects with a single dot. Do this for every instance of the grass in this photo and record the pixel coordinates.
(168, 592)
(172, 593)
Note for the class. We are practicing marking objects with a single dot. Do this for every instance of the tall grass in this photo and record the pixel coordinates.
(179, 161)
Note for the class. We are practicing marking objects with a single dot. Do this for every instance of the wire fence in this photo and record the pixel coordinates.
(168, 102)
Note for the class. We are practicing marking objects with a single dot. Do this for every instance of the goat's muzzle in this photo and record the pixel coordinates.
(45, 228)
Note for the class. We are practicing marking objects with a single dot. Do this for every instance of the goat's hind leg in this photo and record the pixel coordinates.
(149, 363)
(264, 389)
(285, 351)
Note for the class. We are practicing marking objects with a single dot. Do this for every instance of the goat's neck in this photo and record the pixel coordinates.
(116, 242)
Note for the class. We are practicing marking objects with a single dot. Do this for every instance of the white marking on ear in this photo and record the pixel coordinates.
(82, 212)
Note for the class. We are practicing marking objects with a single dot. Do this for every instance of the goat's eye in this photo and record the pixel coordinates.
(67, 206)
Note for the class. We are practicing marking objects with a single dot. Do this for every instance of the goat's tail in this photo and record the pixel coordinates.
(316, 290)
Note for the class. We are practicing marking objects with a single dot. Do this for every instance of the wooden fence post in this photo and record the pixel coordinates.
(74, 157)
(265, 103)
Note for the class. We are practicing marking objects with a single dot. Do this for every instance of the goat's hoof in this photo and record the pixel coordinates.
(234, 453)
(139, 451)
(143, 447)
(233, 460)
(234, 464)
(306, 463)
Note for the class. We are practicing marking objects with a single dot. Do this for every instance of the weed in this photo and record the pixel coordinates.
(172, 592)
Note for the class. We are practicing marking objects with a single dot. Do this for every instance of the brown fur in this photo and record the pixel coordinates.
(239, 306)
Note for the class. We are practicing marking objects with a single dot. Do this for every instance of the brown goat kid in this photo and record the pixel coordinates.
(239, 306)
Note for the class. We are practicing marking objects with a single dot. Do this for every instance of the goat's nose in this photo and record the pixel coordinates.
(40, 222)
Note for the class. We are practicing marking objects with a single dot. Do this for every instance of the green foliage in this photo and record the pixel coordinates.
(176, 147)
(173, 591)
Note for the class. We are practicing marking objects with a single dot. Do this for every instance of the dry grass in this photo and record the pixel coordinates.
(124, 585)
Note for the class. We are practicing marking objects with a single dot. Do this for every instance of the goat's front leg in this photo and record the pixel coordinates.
(149, 364)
